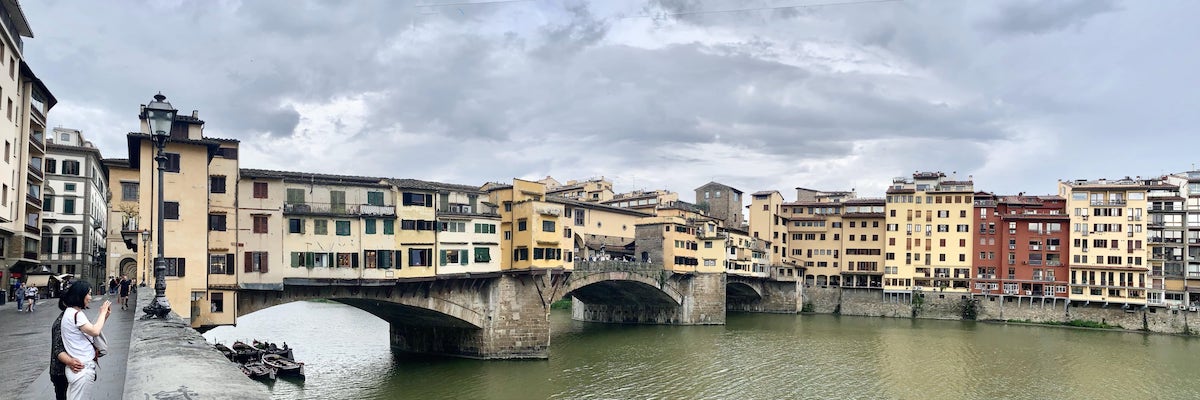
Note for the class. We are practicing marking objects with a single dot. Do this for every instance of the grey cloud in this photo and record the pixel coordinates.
(1038, 17)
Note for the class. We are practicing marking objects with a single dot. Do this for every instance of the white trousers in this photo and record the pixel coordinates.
(79, 384)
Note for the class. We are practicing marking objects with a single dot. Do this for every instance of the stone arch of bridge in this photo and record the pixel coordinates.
(415, 310)
(621, 287)
(744, 290)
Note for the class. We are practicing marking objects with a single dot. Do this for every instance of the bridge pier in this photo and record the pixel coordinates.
(762, 295)
(701, 302)
(516, 324)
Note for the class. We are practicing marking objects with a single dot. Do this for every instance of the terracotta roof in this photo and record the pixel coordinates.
(308, 176)
(596, 206)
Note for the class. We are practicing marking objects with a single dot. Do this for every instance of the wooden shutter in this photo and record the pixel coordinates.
(462, 257)
(442, 257)
(263, 263)
(229, 264)
(182, 263)
(353, 260)
(295, 259)
(249, 266)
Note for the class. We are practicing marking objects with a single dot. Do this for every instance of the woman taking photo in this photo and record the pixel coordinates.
(78, 332)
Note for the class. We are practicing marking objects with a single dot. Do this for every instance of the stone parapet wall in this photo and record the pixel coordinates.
(170, 360)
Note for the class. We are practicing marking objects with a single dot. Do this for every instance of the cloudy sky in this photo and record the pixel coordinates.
(651, 94)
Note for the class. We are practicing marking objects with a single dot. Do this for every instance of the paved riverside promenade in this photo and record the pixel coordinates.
(147, 358)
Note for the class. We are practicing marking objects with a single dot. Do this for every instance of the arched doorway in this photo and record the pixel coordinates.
(129, 268)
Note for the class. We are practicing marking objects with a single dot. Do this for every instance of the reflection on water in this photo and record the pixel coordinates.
(754, 356)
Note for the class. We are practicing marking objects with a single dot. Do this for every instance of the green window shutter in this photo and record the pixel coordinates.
(375, 198)
(442, 257)
(389, 227)
(337, 200)
(310, 259)
(370, 225)
(462, 257)
(295, 259)
(295, 196)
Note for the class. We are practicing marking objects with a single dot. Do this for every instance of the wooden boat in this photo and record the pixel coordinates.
(271, 348)
(245, 353)
(283, 365)
(225, 351)
(259, 371)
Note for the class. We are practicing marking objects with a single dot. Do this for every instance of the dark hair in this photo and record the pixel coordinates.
(75, 295)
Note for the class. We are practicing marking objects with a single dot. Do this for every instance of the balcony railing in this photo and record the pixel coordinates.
(36, 171)
(34, 230)
(338, 209)
(33, 200)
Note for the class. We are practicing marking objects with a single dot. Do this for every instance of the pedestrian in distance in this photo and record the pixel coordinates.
(123, 289)
(60, 360)
(78, 334)
(19, 293)
(31, 297)
(112, 285)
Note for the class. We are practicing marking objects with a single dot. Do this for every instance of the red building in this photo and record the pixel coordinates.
(1021, 246)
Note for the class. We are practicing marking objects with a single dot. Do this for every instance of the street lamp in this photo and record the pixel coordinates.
(145, 245)
(160, 116)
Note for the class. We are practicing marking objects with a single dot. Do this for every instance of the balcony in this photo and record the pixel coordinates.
(36, 139)
(33, 200)
(36, 171)
(338, 209)
(34, 230)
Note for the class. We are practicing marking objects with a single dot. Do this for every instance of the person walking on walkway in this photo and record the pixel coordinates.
(78, 333)
(60, 360)
(31, 298)
(112, 285)
(19, 292)
(123, 289)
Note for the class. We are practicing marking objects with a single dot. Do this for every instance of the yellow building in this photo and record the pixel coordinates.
(531, 227)
(468, 236)
(767, 222)
(593, 190)
(670, 241)
(747, 256)
(194, 166)
(863, 243)
(815, 229)
(928, 226)
(598, 231)
(1108, 233)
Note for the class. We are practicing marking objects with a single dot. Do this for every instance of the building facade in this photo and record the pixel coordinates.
(721, 202)
(1108, 234)
(74, 208)
(1188, 183)
(929, 234)
(25, 101)
(1021, 246)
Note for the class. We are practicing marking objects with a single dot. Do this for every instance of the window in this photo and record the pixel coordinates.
(260, 190)
(379, 259)
(260, 223)
(579, 217)
(483, 254)
(295, 225)
(69, 187)
(67, 242)
(172, 163)
(389, 227)
(375, 198)
(256, 261)
(547, 226)
(485, 228)
(176, 266)
(522, 224)
(217, 302)
(452, 226)
(369, 226)
(70, 167)
(343, 228)
(228, 153)
(48, 203)
(170, 209)
(347, 260)
(337, 201)
(419, 257)
(453, 257)
(216, 184)
(216, 222)
(417, 199)
(51, 166)
(320, 227)
(295, 196)
(129, 191)
(219, 263)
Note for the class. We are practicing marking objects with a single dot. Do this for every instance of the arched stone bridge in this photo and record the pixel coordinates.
(506, 315)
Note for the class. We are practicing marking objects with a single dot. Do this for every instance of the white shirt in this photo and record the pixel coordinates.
(77, 343)
(31, 292)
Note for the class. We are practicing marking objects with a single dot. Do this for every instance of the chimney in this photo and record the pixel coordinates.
(196, 114)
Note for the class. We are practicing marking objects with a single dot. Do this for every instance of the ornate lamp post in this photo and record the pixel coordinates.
(161, 116)
(146, 246)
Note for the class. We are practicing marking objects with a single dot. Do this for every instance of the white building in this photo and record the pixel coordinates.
(74, 207)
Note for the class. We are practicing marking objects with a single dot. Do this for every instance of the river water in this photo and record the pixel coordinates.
(754, 356)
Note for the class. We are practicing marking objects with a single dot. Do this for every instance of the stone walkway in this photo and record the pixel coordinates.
(25, 350)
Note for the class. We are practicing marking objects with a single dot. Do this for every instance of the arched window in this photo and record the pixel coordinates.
(67, 241)
(47, 240)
